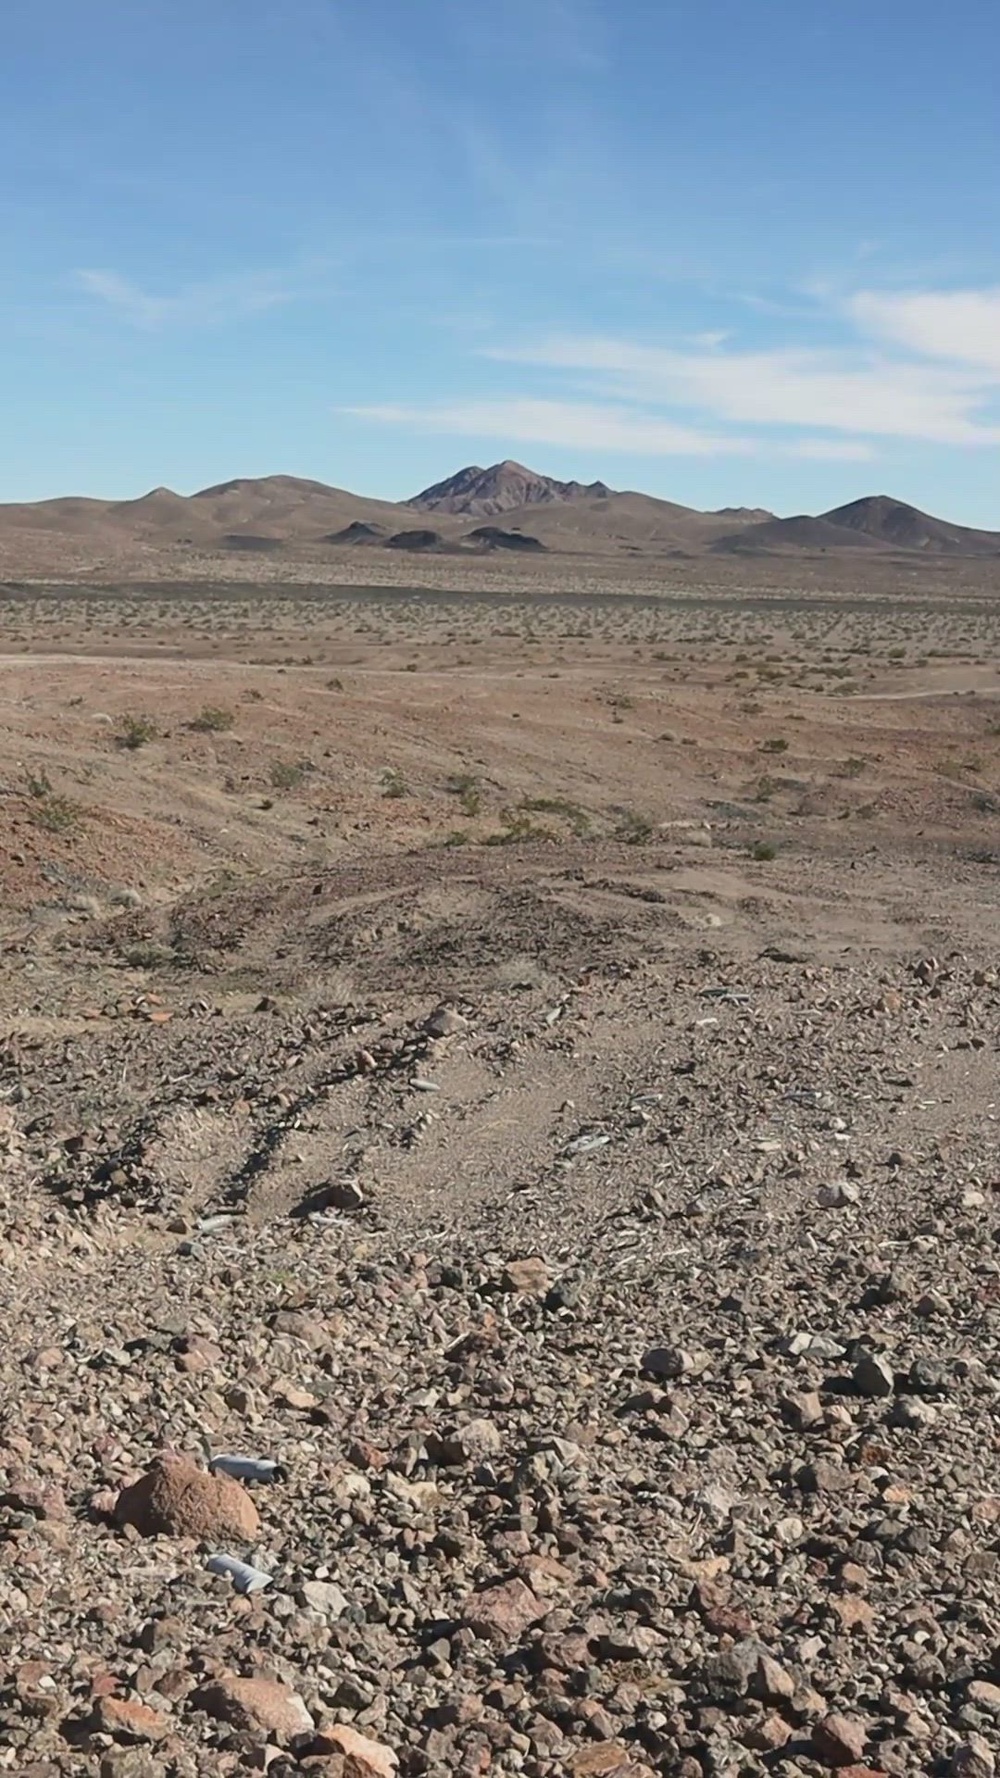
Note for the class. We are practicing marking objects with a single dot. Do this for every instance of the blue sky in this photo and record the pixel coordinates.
(727, 251)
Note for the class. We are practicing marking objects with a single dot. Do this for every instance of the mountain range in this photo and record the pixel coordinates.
(294, 519)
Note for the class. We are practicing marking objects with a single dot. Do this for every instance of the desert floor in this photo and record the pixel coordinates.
(359, 943)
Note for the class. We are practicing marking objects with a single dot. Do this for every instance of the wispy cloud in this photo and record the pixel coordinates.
(962, 326)
(918, 365)
(593, 426)
(208, 303)
(555, 422)
(850, 390)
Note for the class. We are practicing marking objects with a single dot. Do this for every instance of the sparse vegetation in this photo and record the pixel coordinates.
(212, 720)
(763, 851)
(150, 956)
(133, 732)
(393, 783)
(49, 808)
(576, 818)
(288, 774)
(633, 828)
(465, 785)
(516, 826)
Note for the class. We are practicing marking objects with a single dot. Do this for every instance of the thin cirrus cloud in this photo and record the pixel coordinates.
(591, 426)
(210, 303)
(962, 326)
(858, 392)
(914, 365)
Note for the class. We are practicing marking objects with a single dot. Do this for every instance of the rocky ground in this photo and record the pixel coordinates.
(590, 1250)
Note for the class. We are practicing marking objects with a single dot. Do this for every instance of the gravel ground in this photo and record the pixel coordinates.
(615, 1333)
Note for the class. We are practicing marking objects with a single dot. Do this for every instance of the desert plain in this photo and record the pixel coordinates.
(513, 1045)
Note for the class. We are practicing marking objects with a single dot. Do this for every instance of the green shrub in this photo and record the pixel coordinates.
(134, 732)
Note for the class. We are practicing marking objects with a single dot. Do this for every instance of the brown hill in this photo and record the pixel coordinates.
(294, 518)
(263, 514)
(803, 533)
(622, 524)
(504, 487)
(892, 521)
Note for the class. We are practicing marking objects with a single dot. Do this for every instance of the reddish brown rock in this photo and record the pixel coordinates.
(258, 1705)
(44, 1499)
(364, 1455)
(528, 1276)
(288, 1395)
(770, 1733)
(501, 1614)
(177, 1499)
(720, 1611)
(607, 1757)
(129, 1720)
(838, 1741)
(363, 1758)
(854, 1613)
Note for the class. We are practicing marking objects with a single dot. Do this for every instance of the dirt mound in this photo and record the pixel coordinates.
(416, 540)
(492, 537)
(247, 541)
(357, 532)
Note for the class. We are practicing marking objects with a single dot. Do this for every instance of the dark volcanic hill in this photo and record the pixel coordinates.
(906, 527)
(504, 487)
(492, 537)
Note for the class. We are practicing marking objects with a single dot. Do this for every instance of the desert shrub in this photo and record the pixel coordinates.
(393, 783)
(465, 785)
(287, 774)
(49, 809)
(517, 826)
(134, 732)
(212, 720)
(576, 818)
(633, 828)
